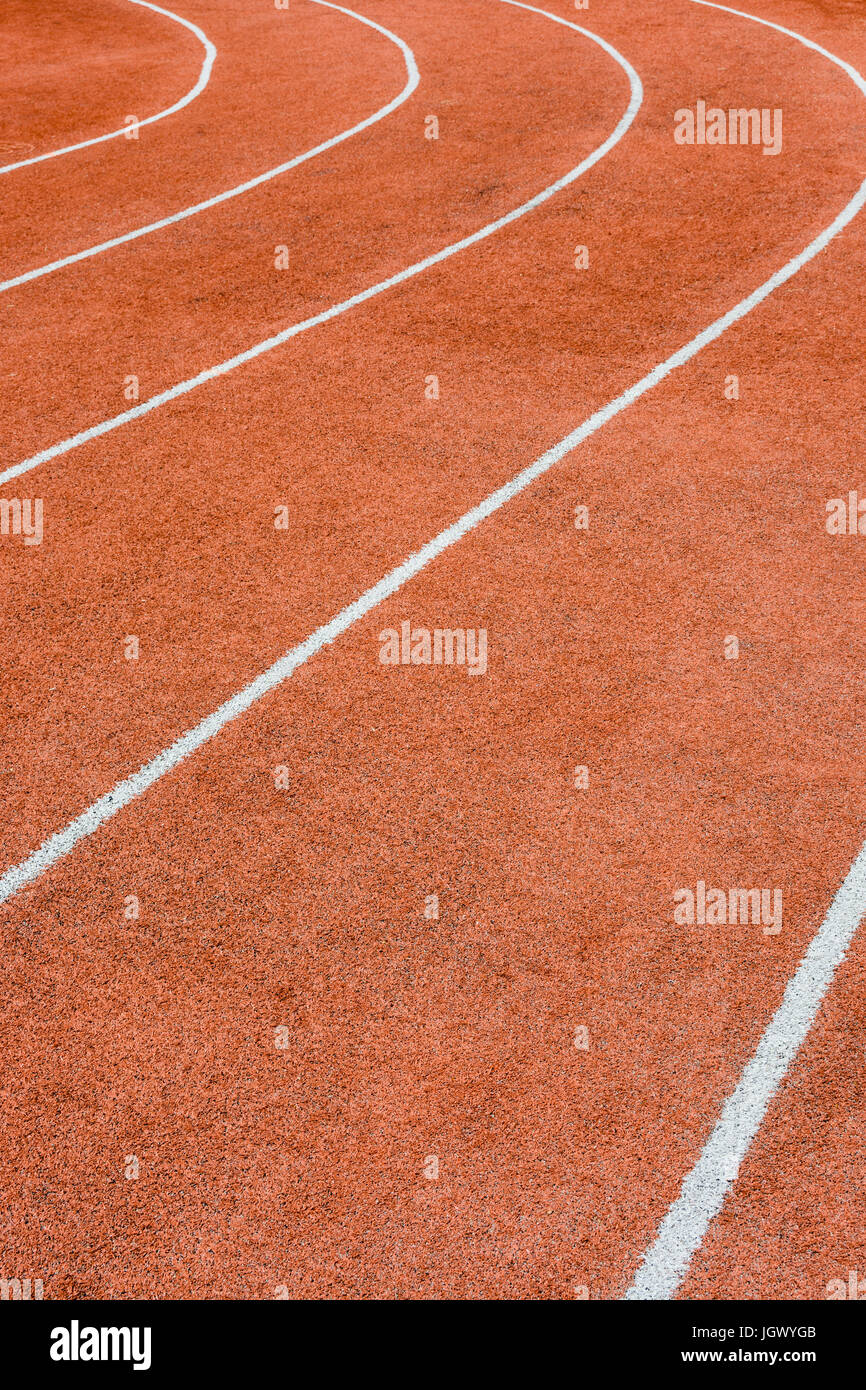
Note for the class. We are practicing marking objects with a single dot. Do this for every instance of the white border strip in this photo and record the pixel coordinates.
(222, 368)
(412, 79)
(704, 1190)
(203, 79)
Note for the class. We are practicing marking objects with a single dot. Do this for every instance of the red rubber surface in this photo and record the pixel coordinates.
(303, 1166)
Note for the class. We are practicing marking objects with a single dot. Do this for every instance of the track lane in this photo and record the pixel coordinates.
(793, 1225)
(194, 91)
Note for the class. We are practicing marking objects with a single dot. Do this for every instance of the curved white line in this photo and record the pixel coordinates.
(268, 344)
(202, 81)
(412, 80)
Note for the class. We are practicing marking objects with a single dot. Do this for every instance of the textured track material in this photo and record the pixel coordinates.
(373, 994)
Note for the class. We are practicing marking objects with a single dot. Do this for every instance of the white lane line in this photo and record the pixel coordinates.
(704, 1190)
(203, 79)
(412, 79)
(222, 368)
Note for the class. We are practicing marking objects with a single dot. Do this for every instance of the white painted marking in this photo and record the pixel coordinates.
(412, 79)
(203, 78)
(222, 368)
(703, 1192)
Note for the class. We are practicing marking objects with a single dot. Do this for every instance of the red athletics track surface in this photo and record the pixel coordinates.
(303, 907)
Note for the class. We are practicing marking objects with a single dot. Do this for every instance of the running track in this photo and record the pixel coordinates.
(302, 1168)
